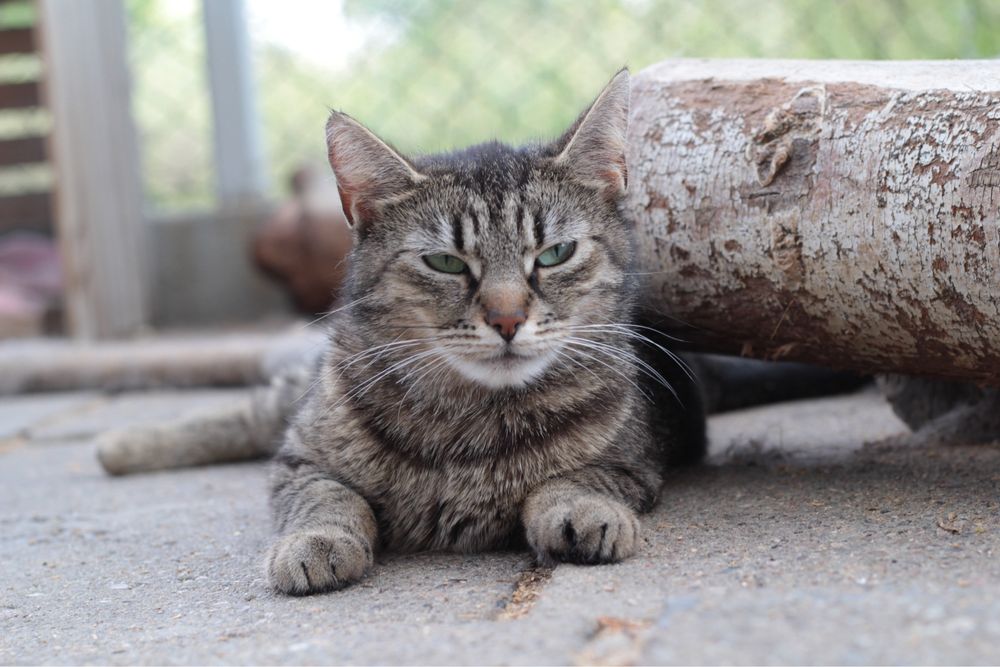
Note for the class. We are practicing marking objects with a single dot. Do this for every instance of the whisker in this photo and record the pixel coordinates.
(379, 351)
(363, 387)
(367, 384)
(374, 353)
(575, 347)
(563, 355)
(338, 309)
(628, 357)
(415, 326)
(429, 367)
(645, 339)
(399, 365)
(630, 325)
(326, 372)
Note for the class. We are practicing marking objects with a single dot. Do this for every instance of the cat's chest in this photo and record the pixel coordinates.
(437, 482)
(458, 508)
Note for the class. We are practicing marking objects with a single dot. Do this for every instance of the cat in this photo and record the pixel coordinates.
(941, 411)
(484, 389)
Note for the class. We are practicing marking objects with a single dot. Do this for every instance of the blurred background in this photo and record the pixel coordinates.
(149, 148)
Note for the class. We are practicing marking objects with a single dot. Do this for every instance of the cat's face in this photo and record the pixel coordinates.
(493, 262)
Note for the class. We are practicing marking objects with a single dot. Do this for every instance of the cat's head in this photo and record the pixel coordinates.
(493, 261)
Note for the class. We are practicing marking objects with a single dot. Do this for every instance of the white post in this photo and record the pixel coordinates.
(239, 155)
(95, 156)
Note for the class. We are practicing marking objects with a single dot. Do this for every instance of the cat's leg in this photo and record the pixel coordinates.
(590, 515)
(326, 531)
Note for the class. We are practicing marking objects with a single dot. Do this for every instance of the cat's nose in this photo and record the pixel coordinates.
(506, 323)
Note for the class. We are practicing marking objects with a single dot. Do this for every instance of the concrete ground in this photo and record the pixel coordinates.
(814, 535)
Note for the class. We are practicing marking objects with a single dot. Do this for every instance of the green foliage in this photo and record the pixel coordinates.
(520, 69)
(17, 14)
(170, 102)
(452, 72)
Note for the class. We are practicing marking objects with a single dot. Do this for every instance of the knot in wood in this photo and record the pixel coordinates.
(773, 143)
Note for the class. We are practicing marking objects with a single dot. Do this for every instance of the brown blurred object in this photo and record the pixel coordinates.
(304, 245)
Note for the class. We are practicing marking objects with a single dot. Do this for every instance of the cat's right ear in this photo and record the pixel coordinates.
(369, 172)
(593, 149)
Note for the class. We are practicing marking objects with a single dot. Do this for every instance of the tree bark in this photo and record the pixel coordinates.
(843, 213)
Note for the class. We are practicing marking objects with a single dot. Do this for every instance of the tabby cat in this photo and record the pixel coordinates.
(483, 388)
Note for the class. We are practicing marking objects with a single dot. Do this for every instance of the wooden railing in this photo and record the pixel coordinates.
(30, 208)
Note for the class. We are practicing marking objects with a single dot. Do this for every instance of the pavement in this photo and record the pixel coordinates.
(815, 534)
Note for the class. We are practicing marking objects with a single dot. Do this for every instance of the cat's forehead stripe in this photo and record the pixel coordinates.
(474, 217)
(516, 220)
(458, 234)
(539, 227)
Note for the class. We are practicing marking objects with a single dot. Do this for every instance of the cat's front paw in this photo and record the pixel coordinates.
(316, 561)
(587, 529)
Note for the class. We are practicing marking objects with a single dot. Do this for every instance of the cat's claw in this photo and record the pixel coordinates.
(589, 530)
(307, 562)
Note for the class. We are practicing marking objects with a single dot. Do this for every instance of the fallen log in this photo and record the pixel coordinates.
(842, 213)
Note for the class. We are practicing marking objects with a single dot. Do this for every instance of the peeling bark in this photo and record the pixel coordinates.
(843, 213)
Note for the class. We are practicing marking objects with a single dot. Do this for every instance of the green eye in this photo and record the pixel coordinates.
(557, 254)
(445, 263)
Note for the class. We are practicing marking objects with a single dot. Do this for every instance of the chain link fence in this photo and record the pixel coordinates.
(442, 73)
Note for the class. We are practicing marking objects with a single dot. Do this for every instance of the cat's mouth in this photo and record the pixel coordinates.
(509, 354)
(509, 367)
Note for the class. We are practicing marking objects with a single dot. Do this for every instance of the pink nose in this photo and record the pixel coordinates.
(505, 323)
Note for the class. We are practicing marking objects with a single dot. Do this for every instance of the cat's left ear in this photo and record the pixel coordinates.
(369, 172)
(594, 146)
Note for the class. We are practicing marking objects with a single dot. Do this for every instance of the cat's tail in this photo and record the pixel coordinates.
(734, 383)
(247, 429)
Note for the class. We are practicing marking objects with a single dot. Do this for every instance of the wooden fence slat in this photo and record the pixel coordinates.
(24, 150)
(30, 211)
(18, 95)
(17, 40)
(95, 160)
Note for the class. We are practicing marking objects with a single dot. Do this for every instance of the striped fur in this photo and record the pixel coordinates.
(424, 428)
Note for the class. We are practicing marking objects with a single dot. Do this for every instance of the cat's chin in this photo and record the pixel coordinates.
(503, 372)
